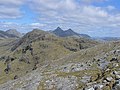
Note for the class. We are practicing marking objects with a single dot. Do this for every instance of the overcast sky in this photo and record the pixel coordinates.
(94, 17)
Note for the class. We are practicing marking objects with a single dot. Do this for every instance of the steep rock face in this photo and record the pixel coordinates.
(14, 32)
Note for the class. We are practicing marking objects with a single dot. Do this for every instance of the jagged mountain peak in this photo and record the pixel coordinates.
(69, 32)
(69, 29)
(58, 29)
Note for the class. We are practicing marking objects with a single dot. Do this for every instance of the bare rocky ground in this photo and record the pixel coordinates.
(60, 67)
(99, 74)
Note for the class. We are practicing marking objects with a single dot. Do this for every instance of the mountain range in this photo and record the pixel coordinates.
(11, 33)
(104, 39)
(59, 32)
(14, 32)
(41, 60)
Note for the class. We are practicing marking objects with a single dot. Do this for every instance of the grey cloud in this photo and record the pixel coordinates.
(10, 8)
(91, 1)
(65, 13)
(20, 27)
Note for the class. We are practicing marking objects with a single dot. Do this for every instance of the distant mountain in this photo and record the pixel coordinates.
(7, 35)
(14, 32)
(39, 35)
(61, 33)
(111, 38)
(85, 35)
(106, 38)
(42, 61)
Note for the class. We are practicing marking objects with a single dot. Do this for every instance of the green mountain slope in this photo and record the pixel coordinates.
(36, 49)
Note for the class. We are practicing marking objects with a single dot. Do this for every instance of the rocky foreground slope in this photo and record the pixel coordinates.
(43, 61)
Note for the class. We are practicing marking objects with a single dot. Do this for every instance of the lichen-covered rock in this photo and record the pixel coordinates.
(109, 79)
(106, 88)
(28, 82)
(61, 83)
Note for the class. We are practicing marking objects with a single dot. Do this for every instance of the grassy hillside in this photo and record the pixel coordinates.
(76, 70)
(43, 61)
(36, 49)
